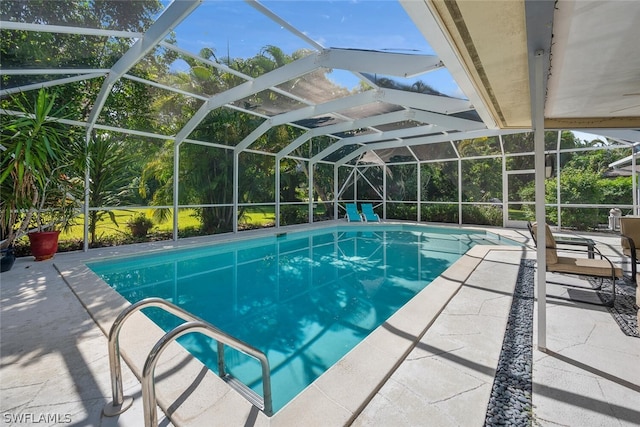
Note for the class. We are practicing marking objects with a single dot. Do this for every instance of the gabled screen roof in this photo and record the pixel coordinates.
(359, 74)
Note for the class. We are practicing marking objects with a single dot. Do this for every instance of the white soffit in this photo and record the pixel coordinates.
(483, 45)
(595, 65)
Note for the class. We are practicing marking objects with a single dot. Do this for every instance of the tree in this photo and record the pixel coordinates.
(481, 179)
(34, 166)
(111, 181)
(402, 182)
(439, 182)
(128, 103)
(206, 172)
(58, 50)
(583, 181)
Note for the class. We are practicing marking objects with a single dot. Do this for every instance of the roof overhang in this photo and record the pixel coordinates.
(484, 46)
(593, 59)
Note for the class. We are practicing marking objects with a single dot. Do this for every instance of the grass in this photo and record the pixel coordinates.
(186, 219)
(518, 215)
(258, 216)
(106, 228)
(110, 234)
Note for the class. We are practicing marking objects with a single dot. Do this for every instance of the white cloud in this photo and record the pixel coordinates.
(583, 136)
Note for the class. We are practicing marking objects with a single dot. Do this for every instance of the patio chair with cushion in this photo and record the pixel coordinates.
(352, 214)
(368, 213)
(601, 268)
(630, 241)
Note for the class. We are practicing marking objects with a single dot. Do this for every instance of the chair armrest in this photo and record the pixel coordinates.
(595, 250)
(584, 251)
(604, 257)
(632, 245)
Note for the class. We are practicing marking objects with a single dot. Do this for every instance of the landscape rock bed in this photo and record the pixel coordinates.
(510, 401)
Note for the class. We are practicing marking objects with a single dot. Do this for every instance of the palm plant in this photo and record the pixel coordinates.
(31, 177)
(111, 183)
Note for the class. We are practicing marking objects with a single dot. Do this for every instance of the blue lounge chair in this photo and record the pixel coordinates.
(352, 213)
(368, 213)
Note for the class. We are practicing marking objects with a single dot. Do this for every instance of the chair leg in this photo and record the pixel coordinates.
(634, 268)
(601, 283)
(613, 291)
(606, 304)
(571, 285)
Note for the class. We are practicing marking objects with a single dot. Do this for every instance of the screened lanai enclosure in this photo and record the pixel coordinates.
(220, 116)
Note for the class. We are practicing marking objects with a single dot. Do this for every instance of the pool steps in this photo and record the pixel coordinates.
(192, 324)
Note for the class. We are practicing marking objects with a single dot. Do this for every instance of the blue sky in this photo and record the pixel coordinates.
(234, 28)
(588, 136)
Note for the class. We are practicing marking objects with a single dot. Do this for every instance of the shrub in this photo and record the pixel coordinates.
(403, 211)
(482, 215)
(139, 225)
(440, 213)
(290, 215)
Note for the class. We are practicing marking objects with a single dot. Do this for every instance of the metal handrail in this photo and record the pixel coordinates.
(121, 403)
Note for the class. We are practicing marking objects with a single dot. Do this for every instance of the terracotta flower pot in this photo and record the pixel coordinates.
(44, 244)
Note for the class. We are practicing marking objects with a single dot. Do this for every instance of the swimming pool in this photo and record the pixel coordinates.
(305, 299)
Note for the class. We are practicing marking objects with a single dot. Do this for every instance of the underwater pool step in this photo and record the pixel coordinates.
(191, 324)
(244, 390)
(487, 241)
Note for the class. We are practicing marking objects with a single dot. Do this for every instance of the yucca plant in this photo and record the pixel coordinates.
(34, 148)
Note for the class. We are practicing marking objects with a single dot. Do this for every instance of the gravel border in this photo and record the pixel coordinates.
(510, 402)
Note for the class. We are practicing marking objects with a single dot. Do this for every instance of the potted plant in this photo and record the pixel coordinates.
(139, 225)
(33, 185)
(58, 205)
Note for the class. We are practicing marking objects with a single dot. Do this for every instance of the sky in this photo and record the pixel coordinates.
(233, 28)
(588, 136)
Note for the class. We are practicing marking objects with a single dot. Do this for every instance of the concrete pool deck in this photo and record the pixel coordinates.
(54, 357)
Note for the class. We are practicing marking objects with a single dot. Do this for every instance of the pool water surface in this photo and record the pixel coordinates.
(305, 298)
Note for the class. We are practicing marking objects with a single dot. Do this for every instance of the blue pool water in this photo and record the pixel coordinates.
(304, 298)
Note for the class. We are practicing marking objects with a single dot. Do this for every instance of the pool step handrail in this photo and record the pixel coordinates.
(148, 372)
(193, 324)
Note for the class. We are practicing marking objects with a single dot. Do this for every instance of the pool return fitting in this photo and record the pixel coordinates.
(193, 324)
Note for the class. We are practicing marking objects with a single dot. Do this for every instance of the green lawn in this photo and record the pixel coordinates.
(260, 216)
(186, 219)
(518, 215)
